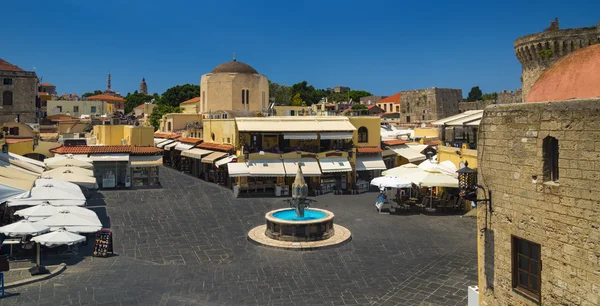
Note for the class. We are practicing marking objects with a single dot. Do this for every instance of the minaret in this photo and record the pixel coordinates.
(144, 87)
(109, 81)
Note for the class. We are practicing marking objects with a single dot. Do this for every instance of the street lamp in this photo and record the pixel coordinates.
(467, 184)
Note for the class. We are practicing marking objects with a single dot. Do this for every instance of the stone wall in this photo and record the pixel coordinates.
(24, 90)
(504, 97)
(425, 105)
(537, 52)
(371, 100)
(563, 217)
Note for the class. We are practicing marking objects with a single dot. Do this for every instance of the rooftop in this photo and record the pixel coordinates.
(189, 140)
(395, 142)
(369, 150)
(133, 150)
(47, 85)
(391, 99)
(215, 146)
(18, 140)
(234, 67)
(108, 98)
(294, 124)
(6, 66)
(191, 101)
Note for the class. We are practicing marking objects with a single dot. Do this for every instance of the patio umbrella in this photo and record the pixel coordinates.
(43, 182)
(59, 237)
(23, 228)
(391, 181)
(68, 161)
(409, 171)
(80, 229)
(75, 170)
(65, 218)
(447, 167)
(427, 164)
(69, 176)
(435, 178)
(45, 210)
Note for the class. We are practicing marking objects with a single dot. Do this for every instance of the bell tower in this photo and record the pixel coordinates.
(144, 87)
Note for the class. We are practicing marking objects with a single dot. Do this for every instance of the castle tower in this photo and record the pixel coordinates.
(108, 87)
(537, 52)
(144, 87)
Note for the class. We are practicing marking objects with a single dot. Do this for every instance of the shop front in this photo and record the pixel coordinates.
(267, 176)
(221, 165)
(144, 170)
(335, 174)
(310, 170)
(181, 164)
(210, 172)
(111, 170)
(368, 167)
(191, 161)
(168, 154)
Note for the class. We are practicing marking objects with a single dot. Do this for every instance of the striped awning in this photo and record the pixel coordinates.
(212, 157)
(184, 146)
(196, 153)
(332, 165)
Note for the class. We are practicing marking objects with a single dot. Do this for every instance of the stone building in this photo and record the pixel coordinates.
(339, 89)
(143, 87)
(539, 239)
(504, 97)
(234, 86)
(18, 94)
(425, 105)
(537, 52)
(371, 100)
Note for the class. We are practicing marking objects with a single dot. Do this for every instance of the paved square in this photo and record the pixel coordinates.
(186, 244)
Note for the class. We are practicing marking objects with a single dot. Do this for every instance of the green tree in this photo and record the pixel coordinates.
(308, 93)
(474, 95)
(96, 92)
(360, 108)
(160, 110)
(297, 100)
(489, 96)
(355, 95)
(177, 94)
(135, 99)
(280, 94)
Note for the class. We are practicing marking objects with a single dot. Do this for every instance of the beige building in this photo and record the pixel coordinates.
(79, 109)
(178, 122)
(282, 110)
(191, 106)
(234, 86)
(18, 94)
(111, 135)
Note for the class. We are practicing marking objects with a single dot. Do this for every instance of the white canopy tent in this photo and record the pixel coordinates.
(24, 228)
(435, 178)
(58, 184)
(68, 162)
(51, 193)
(69, 176)
(65, 218)
(46, 210)
(75, 170)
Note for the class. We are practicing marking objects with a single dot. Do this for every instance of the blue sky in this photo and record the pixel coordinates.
(379, 46)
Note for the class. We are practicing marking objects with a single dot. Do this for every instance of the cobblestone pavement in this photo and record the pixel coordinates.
(186, 244)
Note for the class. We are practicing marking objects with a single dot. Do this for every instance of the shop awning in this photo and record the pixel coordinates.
(410, 153)
(266, 168)
(337, 135)
(171, 145)
(225, 160)
(146, 161)
(238, 169)
(369, 162)
(164, 143)
(184, 146)
(212, 157)
(338, 164)
(109, 157)
(159, 140)
(300, 136)
(196, 153)
(309, 166)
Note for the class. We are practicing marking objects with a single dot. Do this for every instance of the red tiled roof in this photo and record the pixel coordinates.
(189, 140)
(46, 85)
(574, 76)
(431, 142)
(41, 93)
(17, 140)
(105, 98)
(141, 106)
(192, 100)
(215, 146)
(133, 150)
(393, 98)
(395, 142)
(6, 66)
(369, 150)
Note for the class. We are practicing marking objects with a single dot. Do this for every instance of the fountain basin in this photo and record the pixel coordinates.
(284, 225)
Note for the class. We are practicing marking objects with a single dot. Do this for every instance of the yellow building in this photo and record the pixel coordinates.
(23, 140)
(286, 110)
(176, 122)
(191, 106)
(124, 135)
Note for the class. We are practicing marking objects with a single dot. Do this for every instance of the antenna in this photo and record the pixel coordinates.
(234, 57)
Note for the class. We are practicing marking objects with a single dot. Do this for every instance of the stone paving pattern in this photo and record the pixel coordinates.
(186, 244)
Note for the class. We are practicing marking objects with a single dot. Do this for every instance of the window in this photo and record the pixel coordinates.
(550, 148)
(397, 108)
(363, 134)
(243, 96)
(263, 100)
(423, 117)
(7, 97)
(93, 109)
(224, 116)
(14, 131)
(247, 96)
(407, 119)
(76, 109)
(169, 126)
(228, 140)
(212, 135)
(203, 101)
(526, 267)
(385, 107)
(7, 82)
(59, 108)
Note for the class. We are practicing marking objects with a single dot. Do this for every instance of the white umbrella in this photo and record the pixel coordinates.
(80, 229)
(23, 228)
(58, 237)
(427, 164)
(28, 202)
(391, 181)
(409, 171)
(69, 162)
(69, 176)
(448, 167)
(65, 218)
(45, 210)
(51, 192)
(76, 170)
(81, 157)
(435, 178)
(58, 184)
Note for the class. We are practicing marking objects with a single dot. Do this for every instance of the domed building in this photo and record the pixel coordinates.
(233, 86)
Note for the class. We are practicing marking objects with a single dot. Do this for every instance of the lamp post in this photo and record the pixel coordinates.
(467, 184)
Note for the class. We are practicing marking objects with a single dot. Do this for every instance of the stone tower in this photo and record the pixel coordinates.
(108, 85)
(144, 87)
(537, 52)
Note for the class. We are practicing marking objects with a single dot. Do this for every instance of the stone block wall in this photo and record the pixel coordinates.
(563, 217)
(24, 90)
(425, 105)
(504, 97)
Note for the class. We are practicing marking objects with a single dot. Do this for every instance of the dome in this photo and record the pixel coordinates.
(234, 67)
(574, 76)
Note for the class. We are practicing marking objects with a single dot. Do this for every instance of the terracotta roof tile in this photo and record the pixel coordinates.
(6, 66)
(190, 140)
(133, 150)
(141, 106)
(46, 85)
(369, 150)
(215, 146)
(17, 140)
(105, 98)
(431, 142)
(393, 98)
(395, 142)
(192, 100)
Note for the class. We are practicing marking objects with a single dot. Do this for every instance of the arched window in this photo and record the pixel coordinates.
(550, 152)
(243, 96)
(363, 134)
(247, 96)
(7, 98)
